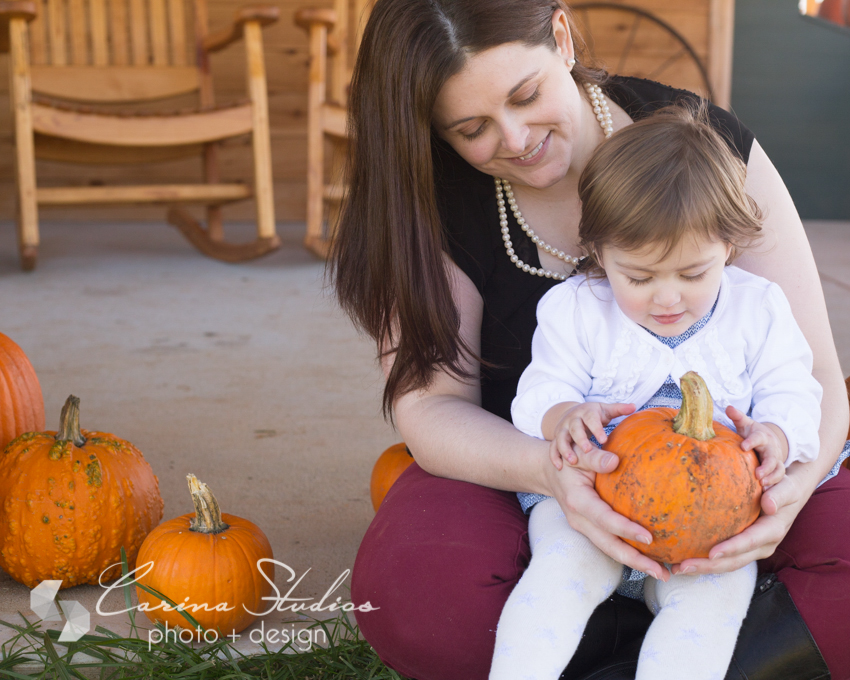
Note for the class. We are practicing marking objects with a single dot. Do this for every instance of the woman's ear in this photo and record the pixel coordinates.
(563, 38)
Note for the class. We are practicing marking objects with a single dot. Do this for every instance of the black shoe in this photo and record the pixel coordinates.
(774, 644)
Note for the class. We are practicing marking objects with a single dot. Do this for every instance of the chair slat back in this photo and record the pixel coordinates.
(111, 33)
(346, 35)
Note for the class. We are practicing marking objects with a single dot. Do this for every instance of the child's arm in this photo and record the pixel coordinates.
(560, 366)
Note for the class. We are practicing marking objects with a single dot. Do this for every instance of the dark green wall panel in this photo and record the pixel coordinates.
(791, 87)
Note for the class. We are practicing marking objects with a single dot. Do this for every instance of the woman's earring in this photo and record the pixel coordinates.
(571, 62)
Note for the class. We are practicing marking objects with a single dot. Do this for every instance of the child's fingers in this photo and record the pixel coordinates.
(756, 440)
(555, 456)
(564, 446)
(595, 424)
(557, 460)
(579, 435)
(611, 411)
(774, 477)
(771, 471)
(764, 470)
(740, 419)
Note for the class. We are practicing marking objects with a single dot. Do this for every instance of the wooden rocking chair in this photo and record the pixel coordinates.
(73, 60)
(334, 36)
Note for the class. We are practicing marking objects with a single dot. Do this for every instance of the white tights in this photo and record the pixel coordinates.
(693, 635)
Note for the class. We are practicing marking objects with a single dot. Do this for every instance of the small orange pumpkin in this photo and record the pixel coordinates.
(70, 501)
(206, 560)
(21, 403)
(388, 468)
(682, 477)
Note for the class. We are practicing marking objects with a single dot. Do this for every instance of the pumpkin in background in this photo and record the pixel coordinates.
(206, 558)
(682, 477)
(70, 501)
(21, 403)
(388, 468)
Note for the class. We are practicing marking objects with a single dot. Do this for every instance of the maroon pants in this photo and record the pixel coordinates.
(441, 557)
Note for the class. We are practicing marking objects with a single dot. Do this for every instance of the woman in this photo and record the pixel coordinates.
(446, 96)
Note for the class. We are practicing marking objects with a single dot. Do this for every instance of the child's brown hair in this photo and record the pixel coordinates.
(662, 178)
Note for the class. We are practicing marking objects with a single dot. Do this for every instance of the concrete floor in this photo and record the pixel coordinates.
(246, 375)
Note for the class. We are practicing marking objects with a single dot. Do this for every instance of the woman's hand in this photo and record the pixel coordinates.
(588, 513)
(780, 505)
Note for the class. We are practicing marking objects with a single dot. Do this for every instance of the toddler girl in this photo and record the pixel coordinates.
(664, 213)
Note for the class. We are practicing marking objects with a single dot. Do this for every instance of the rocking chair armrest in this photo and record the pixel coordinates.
(308, 16)
(14, 9)
(11, 9)
(264, 14)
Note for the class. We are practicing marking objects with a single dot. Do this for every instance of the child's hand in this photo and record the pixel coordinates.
(767, 440)
(571, 433)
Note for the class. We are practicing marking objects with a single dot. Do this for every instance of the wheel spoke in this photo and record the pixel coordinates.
(588, 34)
(629, 42)
(666, 63)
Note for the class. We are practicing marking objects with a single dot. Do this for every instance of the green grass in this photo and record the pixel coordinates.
(346, 656)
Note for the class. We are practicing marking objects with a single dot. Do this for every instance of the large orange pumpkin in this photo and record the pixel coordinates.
(682, 477)
(206, 560)
(70, 501)
(21, 403)
(388, 468)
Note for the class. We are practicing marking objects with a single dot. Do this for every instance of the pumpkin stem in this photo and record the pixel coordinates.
(207, 513)
(69, 422)
(697, 413)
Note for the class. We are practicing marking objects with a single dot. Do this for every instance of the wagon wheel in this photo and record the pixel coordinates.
(630, 41)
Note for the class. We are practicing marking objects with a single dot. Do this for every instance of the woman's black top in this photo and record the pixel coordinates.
(467, 202)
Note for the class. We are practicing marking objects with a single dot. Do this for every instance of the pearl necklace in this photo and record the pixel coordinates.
(603, 115)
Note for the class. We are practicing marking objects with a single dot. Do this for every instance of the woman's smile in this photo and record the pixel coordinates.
(535, 155)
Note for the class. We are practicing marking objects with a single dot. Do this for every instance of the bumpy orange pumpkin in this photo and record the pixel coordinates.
(21, 403)
(388, 468)
(70, 501)
(203, 561)
(682, 477)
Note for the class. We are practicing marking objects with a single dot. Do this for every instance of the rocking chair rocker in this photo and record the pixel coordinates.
(73, 60)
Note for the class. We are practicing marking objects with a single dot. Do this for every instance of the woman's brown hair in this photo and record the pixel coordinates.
(662, 178)
(387, 259)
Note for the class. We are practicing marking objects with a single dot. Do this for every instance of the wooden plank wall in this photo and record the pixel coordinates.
(286, 63)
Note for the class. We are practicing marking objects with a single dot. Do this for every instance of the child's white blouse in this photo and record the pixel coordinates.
(751, 354)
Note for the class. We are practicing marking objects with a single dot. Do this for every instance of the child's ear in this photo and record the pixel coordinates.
(731, 252)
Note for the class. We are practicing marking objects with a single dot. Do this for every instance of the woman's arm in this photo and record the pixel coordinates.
(452, 436)
(448, 431)
(786, 258)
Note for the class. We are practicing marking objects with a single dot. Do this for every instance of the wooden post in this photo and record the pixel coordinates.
(339, 65)
(315, 137)
(720, 45)
(21, 99)
(264, 189)
(215, 226)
